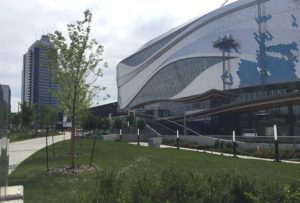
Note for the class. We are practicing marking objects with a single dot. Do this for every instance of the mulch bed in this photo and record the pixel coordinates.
(66, 170)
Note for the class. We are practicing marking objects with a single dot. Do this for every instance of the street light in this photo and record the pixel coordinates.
(128, 126)
(234, 144)
(276, 144)
(138, 136)
(177, 139)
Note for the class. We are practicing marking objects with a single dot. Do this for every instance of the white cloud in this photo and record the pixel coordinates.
(120, 26)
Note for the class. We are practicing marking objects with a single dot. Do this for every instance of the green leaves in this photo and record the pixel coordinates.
(76, 62)
(27, 114)
(48, 116)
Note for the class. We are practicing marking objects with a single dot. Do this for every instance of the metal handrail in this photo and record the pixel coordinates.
(171, 122)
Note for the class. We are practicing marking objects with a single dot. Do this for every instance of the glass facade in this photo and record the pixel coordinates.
(172, 109)
(173, 78)
(37, 78)
(259, 119)
(4, 142)
(146, 53)
(286, 118)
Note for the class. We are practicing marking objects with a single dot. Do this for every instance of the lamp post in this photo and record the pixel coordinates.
(47, 155)
(184, 121)
(19, 117)
(128, 126)
(234, 144)
(276, 144)
(53, 152)
(138, 136)
(177, 139)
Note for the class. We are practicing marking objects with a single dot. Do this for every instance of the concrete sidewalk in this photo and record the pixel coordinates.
(19, 151)
(144, 144)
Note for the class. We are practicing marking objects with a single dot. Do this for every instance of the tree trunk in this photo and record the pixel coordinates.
(73, 119)
(72, 147)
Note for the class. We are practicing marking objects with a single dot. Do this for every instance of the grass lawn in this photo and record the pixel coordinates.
(20, 136)
(132, 159)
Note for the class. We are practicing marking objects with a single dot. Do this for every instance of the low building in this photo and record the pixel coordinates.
(105, 110)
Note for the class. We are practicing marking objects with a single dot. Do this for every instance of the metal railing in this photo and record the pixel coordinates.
(171, 126)
(262, 139)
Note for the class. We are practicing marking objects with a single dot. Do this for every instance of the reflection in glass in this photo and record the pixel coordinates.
(4, 141)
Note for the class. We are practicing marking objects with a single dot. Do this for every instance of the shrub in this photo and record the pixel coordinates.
(89, 122)
(178, 185)
(105, 124)
(109, 184)
(131, 119)
(222, 144)
(118, 124)
(141, 124)
(217, 144)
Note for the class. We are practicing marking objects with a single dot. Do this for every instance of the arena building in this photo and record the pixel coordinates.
(234, 68)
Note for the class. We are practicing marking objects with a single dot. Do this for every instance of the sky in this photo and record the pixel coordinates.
(121, 26)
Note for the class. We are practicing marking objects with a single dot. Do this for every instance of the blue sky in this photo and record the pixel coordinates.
(120, 26)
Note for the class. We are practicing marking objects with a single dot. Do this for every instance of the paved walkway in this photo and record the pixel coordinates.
(19, 151)
(217, 153)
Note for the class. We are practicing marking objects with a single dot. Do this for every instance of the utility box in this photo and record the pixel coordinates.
(155, 142)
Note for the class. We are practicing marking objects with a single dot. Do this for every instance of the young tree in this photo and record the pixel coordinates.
(76, 63)
(47, 117)
(26, 115)
(15, 120)
(131, 119)
(118, 124)
(141, 124)
(105, 124)
(99, 123)
(89, 122)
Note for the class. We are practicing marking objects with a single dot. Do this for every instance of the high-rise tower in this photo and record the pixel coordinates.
(37, 80)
